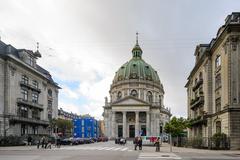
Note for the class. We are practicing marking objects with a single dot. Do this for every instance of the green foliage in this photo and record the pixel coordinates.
(11, 141)
(176, 126)
(64, 126)
(218, 138)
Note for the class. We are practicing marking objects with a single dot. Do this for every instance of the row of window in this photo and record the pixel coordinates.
(23, 112)
(25, 129)
(25, 80)
(35, 95)
(134, 93)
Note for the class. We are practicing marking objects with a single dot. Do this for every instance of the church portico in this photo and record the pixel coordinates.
(136, 100)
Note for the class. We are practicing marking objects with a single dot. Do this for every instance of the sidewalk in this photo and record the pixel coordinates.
(21, 148)
(166, 148)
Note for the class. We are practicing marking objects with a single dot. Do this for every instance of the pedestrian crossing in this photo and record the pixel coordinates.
(121, 149)
(157, 156)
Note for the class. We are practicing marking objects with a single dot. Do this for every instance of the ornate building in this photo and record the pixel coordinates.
(136, 100)
(213, 86)
(28, 94)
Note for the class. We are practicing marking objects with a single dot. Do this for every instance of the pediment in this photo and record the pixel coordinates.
(130, 101)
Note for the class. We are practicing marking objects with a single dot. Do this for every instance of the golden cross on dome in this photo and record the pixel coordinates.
(37, 46)
(137, 37)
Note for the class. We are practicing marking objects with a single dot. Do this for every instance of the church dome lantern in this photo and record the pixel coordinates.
(136, 68)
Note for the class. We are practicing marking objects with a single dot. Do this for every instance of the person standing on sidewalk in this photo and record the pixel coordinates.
(135, 143)
(140, 143)
(157, 144)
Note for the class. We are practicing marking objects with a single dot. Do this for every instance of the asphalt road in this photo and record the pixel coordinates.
(109, 151)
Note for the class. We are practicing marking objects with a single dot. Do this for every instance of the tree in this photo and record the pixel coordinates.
(64, 126)
(176, 126)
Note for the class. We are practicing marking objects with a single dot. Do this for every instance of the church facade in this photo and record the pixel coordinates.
(136, 100)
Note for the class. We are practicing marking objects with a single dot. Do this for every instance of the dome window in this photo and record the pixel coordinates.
(134, 93)
(119, 95)
(149, 97)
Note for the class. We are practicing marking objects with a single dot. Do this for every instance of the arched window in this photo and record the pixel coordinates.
(200, 76)
(50, 93)
(119, 95)
(134, 93)
(218, 127)
(149, 97)
(160, 100)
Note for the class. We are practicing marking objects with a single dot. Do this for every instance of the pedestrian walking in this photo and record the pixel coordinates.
(29, 140)
(43, 141)
(140, 143)
(157, 144)
(58, 142)
(39, 142)
(46, 143)
(135, 143)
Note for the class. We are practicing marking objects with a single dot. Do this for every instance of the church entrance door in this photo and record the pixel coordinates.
(120, 131)
(131, 131)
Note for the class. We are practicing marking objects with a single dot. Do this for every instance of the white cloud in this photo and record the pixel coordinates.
(87, 41)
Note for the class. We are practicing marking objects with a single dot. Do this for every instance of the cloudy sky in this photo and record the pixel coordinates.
(84, 42)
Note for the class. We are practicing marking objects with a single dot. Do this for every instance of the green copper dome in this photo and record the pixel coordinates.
(136, 68)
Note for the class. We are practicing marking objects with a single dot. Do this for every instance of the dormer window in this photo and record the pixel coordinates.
(31, 61)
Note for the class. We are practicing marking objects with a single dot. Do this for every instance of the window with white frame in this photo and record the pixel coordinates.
(35, 97)
(218, 61)
(24, 79)
(35, 84)
(24, 93)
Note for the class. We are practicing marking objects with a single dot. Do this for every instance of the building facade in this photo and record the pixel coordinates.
(67, 115)
(85, 127)
(213, 87)
(136, 100)
(101, 128)
(28, 94)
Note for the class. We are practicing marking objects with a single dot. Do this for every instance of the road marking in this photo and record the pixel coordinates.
(158, 156)
(124, 149)
(116, 149)
(109, 148)
(102, 148)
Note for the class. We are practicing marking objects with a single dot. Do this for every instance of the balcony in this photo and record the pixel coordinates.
(29, 103)
(200, 120)
(197, 102)
(29, 86)
(197, 85)
(17, 118)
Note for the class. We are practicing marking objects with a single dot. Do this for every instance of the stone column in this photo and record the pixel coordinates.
(136, 123)
(113, 124)
(148, 123)
(124, 124)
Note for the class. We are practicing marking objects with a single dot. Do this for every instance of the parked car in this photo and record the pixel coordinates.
(67, 141)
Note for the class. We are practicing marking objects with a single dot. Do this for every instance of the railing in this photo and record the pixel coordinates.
(198, 121)
(30, 86)
(196, 102)
(17, 118)
(198, 84)
(29, 103)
